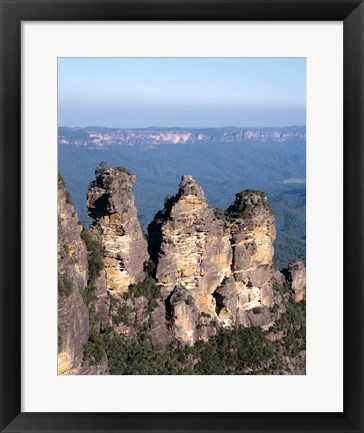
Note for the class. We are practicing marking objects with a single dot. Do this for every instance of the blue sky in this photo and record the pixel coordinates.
(195, 92)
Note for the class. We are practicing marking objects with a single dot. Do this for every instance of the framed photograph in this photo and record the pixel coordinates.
(181, 195)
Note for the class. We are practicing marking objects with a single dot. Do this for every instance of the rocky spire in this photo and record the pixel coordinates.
(188, 186)
(110, 201)
(214, 267)
(251, 223)
(194, 257)
(73, 315)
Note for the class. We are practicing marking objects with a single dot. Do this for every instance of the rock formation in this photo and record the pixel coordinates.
(158, 326)
(192, 248)
(297, 278)
(110, 202)
(252, 228)
(73, 315)
(213, 265)
(203, 270)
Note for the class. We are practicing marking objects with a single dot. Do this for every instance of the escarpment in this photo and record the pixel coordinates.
(110, 202)
(73, 315)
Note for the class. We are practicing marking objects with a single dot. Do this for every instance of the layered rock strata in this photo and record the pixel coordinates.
(215, 269)
(251, 225)
(192, 248)
(110, 202)
(73, 315)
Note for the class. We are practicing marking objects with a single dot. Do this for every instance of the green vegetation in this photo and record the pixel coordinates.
(94, 350)
(239, 350)
(69, 198)
(70, 253)
(255, 191)
(243, 206)
(74, 258)
(289, 207)
(281, 289)
(241, 165)
(219, 212)
(275, 309)
(124, 170)
(122, 315)
(114, 301)
(149, 268)
(147, 288)
(294, 317)
(88, 295)
(95, 265)
(207, 315)
(189, 300)
(257, 310)
(293, 324)
(234, 351)
(61, 182)
(139, 356)
(101, 168)
(65, 286)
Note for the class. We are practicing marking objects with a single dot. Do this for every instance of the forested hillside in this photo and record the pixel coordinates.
(278, 168)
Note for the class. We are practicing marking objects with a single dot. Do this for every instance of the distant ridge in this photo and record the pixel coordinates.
(106, 137)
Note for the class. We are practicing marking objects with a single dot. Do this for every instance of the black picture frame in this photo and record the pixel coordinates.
(13, 12)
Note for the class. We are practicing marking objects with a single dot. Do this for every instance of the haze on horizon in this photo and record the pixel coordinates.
(181, 92)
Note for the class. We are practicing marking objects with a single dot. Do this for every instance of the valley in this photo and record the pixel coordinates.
(221, 167)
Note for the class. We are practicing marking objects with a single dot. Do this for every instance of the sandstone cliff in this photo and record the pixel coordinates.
(192, 249)
(252, 229)
(216, 269)
(73, 315)
(110, 202)
(201, 270)
(297, 278)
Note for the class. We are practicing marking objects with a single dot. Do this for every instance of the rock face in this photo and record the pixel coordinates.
(158, 326)
(297, 278)
(252, 228)
(203, 270)
(212, 267)
(195, 251)
(110, 202)
(102, 305)
(192, 248)
(73, 315)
